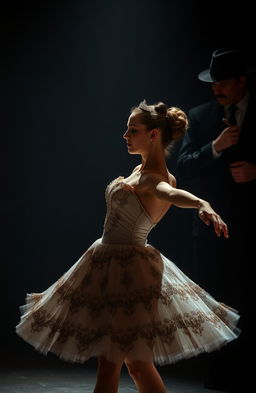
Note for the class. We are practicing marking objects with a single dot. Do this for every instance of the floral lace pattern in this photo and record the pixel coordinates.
(189, 323)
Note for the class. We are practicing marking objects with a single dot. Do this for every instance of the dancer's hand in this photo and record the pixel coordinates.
(208, 215)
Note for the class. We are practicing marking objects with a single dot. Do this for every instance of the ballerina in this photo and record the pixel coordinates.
(123, 301)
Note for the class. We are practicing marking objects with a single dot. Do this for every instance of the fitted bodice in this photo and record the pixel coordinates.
(126, 222)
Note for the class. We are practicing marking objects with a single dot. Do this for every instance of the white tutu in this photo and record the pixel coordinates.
(125, 302)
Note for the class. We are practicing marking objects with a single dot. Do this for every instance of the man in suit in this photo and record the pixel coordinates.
(217, 158)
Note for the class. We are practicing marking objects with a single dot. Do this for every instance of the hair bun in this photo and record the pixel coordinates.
(178, 122)
(161, 108)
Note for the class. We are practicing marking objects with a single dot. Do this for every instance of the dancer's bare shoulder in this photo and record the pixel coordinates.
(147, 179)
(155, 178)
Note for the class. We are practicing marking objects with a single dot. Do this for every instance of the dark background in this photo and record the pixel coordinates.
(70, 72)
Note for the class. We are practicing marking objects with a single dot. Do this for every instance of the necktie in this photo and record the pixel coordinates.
(232, 121)
(232, 112)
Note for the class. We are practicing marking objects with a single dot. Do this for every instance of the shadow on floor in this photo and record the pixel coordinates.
(35, 373)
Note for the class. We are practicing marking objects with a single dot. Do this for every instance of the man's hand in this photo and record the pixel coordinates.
(227, 138)
(243, 171)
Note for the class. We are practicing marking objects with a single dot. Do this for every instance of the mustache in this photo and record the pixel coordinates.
(220, 96)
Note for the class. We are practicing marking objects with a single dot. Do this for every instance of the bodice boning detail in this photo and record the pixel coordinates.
(126, 222)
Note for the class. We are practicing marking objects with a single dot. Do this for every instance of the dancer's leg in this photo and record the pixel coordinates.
(108, 376)
(146, 377)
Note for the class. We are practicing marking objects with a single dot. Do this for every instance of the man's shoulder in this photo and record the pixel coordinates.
(209, 112)
(203, 108)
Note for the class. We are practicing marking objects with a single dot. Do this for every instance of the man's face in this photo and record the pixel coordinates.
(229, 91)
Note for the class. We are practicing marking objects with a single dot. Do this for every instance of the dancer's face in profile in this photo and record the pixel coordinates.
(137, 136)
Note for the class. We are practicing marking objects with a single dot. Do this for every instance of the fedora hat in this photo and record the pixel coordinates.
(225, 64)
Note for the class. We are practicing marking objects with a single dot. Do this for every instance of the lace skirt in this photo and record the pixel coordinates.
(125, 301)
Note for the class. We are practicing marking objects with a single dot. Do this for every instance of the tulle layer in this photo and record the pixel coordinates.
(125, 301)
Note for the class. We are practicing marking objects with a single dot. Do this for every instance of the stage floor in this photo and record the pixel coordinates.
(79, 380)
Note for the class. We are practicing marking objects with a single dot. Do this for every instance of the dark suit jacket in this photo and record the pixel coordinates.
(213, 180)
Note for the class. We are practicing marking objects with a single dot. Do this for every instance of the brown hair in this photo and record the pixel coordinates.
(172, 121)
